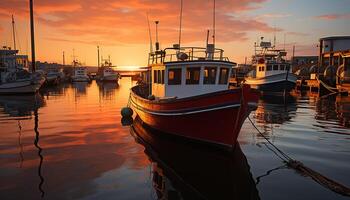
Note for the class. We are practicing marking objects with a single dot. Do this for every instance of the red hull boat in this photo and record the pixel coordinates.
(212, 118)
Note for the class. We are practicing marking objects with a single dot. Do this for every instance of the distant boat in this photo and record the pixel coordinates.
(80, 73)
(54, 76)
(107, 74)
(272, 72)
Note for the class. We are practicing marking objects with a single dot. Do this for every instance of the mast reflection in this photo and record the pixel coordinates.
(182, 170)
(41, 158)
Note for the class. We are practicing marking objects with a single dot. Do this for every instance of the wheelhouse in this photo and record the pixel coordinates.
(191, 72)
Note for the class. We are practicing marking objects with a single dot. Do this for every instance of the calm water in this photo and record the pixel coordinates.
(68, 143)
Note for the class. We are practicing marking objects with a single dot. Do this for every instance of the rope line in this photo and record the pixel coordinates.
(302, 169)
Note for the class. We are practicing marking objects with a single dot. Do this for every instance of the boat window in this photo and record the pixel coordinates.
(268, 67)
(282, 67)
(223, 79)
(159, 77)
(192, 75)
(162, 80)
(262, 68)
(209, 75)
(155, 76)
(275, 67)
(174, 77)
(259, 69)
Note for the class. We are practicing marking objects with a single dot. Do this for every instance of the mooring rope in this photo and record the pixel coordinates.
(301, 168)
(331, 89)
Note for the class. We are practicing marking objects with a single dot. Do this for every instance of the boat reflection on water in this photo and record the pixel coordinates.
(182, 170)
(342, 105)
(334, 109)
(275, 109)
(54, 91)
(20, 107)
(80, 87)
(107, 89)
(25, 108)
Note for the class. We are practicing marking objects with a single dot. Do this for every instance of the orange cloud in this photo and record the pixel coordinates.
(124, 21)
(333, 16)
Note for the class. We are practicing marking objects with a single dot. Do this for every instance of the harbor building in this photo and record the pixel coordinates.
(335, 57)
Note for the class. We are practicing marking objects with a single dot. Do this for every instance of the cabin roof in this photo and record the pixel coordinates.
(335, 38)
(192, 62)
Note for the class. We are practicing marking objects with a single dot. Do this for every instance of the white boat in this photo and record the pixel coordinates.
(80, 73)
(14, 79)
(107, 74)
(272, 72)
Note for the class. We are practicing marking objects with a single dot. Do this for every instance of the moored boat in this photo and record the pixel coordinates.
(272, 73)
(189, 96)
(80, 73)
(107, 74)
(14, 77)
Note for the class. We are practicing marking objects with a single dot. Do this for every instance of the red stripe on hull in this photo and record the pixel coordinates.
(220, 126)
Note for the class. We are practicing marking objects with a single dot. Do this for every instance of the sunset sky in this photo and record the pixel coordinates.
(120, 27)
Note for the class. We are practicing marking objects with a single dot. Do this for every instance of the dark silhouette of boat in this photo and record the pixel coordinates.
(182, 170)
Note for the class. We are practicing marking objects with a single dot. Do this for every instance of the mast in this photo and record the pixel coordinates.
(214, 22)
(150, 36)
(157, 43)
(180, 29)
(32, 34)
(13, 33)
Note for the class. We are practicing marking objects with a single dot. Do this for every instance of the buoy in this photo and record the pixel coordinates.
(127, 121)
(127, 112)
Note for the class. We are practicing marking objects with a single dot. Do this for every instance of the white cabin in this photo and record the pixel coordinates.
(80, 72)
(190, 77)
(269, 61)
(270, 69)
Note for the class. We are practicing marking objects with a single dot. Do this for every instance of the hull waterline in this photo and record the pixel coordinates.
(276, 83)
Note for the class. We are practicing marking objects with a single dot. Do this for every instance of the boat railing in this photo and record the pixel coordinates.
(186, 54)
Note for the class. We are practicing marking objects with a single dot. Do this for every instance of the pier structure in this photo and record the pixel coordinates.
(331, 69)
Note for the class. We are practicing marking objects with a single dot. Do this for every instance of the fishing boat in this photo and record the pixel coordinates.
(107, 74)
(14, 77)
(181, 170)
(80, 73)
(272, 73)
(189, 96)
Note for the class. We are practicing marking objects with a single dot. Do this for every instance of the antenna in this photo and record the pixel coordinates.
(157, 43)
(13, 32)
(207, 37)
(150, 36)
(64, 60)
(32, 34)
(214, 22)
(98, 56)
(181, 6)
(274, 37)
